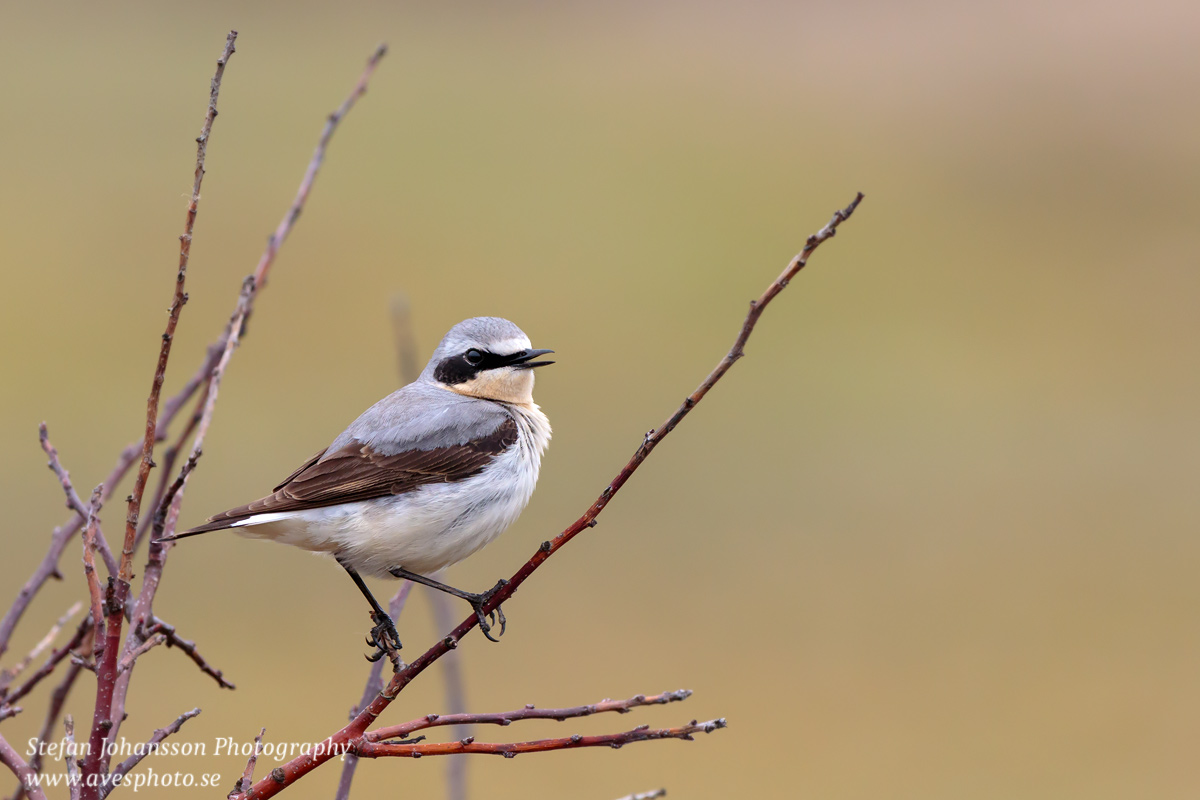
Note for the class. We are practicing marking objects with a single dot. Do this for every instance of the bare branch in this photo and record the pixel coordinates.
(171, 502)
(642, 733)
(528, 712)
(169, 457)
(167, 513)
(127, 766)
(645, 795)
(189, 647)
(298, 767)
(104, 713)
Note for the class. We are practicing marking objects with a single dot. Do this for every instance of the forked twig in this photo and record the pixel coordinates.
(128, 765)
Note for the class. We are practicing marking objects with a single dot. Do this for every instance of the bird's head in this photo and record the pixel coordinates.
(486, 357)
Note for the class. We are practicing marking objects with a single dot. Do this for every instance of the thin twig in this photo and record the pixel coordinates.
(248, 774)
(127, 766)
(168, 465)
(642, 733)
(506, 718)
(69, 757)
(298, 767)
(105, 717)
(189, 647)
(177, 302)
(374, 684)
(645, 795)
(89, 563)
(85, 626)
(171, 502)
(73, 500)
(9, 675)
(127, 660)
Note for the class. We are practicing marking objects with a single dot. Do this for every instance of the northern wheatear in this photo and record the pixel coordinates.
(424, 478)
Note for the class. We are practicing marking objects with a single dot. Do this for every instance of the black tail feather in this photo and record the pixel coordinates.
(208, 527)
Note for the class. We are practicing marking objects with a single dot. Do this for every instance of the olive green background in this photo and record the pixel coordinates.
(935, 537)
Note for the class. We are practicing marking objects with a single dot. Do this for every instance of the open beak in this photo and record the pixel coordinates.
(524, 359)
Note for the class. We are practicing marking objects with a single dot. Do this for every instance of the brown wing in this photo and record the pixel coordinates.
(316, 457)
(357, 472)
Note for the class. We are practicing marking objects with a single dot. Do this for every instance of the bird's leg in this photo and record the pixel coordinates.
(477, 601)
(384, 637)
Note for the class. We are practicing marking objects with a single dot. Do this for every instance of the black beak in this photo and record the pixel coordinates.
(523, 359)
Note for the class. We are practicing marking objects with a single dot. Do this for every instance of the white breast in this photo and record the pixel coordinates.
(427, 529)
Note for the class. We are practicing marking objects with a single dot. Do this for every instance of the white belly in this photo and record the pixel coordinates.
(424, 530)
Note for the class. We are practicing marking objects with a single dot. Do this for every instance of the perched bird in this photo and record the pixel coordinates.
(424, 478)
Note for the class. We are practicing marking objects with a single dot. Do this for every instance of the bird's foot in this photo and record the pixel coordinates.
(385, 639)
(478, 601)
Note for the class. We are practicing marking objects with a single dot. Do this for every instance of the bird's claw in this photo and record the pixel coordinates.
(495, 616)
(384, 638)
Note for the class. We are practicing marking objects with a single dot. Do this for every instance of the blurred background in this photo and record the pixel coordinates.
(934, 537)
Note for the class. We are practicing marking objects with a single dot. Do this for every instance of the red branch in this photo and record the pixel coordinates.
(300, 766)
